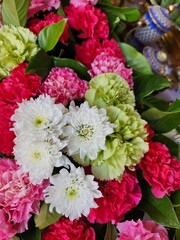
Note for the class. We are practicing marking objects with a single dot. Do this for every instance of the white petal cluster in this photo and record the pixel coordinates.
(38, 145)
(86, 130)
(72, 193)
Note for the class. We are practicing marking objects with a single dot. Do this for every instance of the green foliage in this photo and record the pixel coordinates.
(164, 121)
(15, 12)
(78, 67)
(159, 209)
(40, 64)
(130, 14)
(46, 218)
(49, 36)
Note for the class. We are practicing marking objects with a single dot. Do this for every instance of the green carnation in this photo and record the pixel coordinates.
(17, 44)
(109, 89)
(125, 147)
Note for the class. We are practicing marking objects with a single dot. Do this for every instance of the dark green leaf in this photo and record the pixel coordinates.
(78, 67)
(45, 218)
(40, 64)
(135, 59)
(111, 232)
(15, 12)
(159, 209)
(158, 103)
(49, 36)
(34, 234)
(145, 84)
(129, 14)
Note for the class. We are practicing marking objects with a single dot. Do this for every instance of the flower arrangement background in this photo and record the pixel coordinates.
(84, 147)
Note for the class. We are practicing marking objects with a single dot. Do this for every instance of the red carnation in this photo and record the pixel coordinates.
(69, 230)
(161, 170)
(36, 25)
(13, 90)
(90, 49)
(91, 21)
(118, 198)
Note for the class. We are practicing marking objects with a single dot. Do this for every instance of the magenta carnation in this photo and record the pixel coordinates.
(13, 90)
(118, 198)
(90, 49)
(161, 170)
(69, 230)
(92, 22)
(105, 63)
(144, 230)
(42, 5)
(18, 197)
(36, 25)
(19, 85)
(77, 3)
(64, 85)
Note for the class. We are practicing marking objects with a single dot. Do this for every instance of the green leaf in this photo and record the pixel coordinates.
(49, 36)
(159, 209)
(151, 101)
(111, 232)
(135, 59)
(45, 218)
(15, 12)
(145, 84)
(40, 64)
(129, 14)
(78, 67)
(34, 234)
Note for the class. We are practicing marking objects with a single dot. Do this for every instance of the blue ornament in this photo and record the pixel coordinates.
(157, 21)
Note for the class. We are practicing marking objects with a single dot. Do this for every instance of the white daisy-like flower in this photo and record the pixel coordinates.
(39, 158)
(39, 118)
(86, 130)
(72, 193)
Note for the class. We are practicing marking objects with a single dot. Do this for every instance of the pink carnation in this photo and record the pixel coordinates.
(69, 230)
(42, 5)
(36, 25)
(90, 49)
(92, 22)
(18, 197)
(105, 63)
(19, 85)
(64, 85)
(161, 170)
(77, 3)
(118, 198)
(6, 231)
(144, 230)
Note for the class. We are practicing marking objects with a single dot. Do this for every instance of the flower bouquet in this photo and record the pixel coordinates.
(83, 144)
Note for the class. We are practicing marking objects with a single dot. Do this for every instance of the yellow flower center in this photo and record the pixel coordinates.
(39, 121)
(85, 131)
(72, 192)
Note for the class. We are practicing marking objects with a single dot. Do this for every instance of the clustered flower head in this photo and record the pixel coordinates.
(127, 144)
(42, 5)
(131, 230)
(91, 48)
(70, 230)
(105, 63)
(13, 90)
(17, 44)
(64, 85)
(161, 170)
(117, 199)
(36, 25)
(90, 21)
(19, 198)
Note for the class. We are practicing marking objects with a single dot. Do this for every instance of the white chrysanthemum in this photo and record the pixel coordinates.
(39, 158)
(72, 193)
(87, 130)
(39, 119)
